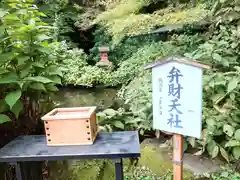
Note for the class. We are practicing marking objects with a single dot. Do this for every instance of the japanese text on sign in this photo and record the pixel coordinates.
(174, 91)
(177, 98)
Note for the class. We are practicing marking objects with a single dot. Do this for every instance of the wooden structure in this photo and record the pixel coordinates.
(28, 153)
(177, 102)
(71, 126)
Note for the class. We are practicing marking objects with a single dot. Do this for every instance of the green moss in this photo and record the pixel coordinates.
(87, 169)
(153, 162)
(157, 161)
(83, 169)
(108, 171)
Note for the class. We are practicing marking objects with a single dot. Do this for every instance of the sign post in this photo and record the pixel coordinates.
(178, 157)
(177, 102)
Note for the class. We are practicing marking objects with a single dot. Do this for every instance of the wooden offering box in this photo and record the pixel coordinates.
(71, 126)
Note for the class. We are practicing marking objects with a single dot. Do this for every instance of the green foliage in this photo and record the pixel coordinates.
(4, 118)
(75, 68)
(62, 15)
(123, 20)
(70, 61)
(226, 174)
(221, 94)
(111, 119)
(101, 38)
(122, 9)
(90, 169)
(138, 105)
(32, 64)
(218, 47)
(132, 66)
(121, 51)
(27, 70)
(12, 98)
(93, 75)
(86, 16)
(125, 49)
(226, 12)
(221, 90)
(139, 100)
(150, 52)
(144, 173)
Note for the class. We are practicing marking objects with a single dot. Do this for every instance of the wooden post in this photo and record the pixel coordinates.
(177, 157)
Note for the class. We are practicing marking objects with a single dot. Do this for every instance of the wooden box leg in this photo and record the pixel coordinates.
(29, 171)
(119, 169)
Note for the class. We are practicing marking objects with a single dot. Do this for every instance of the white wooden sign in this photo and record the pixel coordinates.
(177, 96)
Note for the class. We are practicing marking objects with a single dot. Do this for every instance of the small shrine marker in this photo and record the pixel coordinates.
(177, 102)
(104, 62)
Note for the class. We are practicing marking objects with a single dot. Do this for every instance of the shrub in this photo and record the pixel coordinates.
(93, 75)
(129, 23)
(122, 9)
(28, 71)
(121, 51)
(221, 94)
(134, 65)
(70, 61)
(75, 67)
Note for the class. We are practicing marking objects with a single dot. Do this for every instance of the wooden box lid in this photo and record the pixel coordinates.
(69, 113)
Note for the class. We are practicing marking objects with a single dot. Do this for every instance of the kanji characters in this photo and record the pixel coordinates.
(174, 90)
(174, 106)
(174, 74)
(174, 121)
